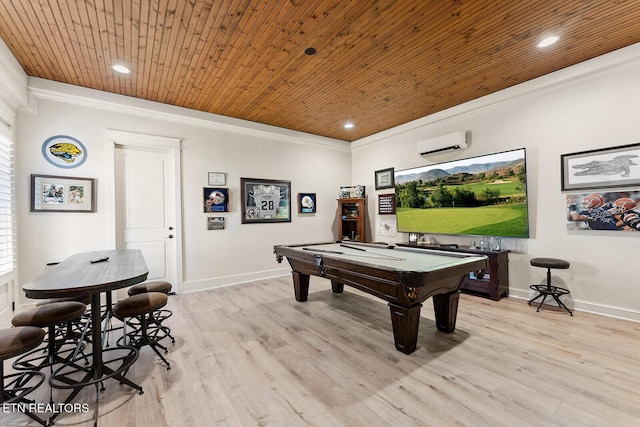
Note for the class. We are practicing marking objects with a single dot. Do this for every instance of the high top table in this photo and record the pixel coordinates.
(92, 273)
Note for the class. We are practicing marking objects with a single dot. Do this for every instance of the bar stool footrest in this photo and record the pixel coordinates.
(71, 376)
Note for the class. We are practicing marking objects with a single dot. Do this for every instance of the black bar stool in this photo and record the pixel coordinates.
(49, 316)
(155, 319)
(14, 387)
(547, 289)
(140, 306)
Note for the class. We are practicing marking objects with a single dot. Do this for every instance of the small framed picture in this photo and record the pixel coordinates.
(307, 202)
(265, 200)
(217, 178)
(62, 194)
(215, 223)
(384, 179)
(216, 199)
(386, 204)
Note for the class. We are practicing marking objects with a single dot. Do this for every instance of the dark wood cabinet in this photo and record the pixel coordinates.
(351, 219)
(493, 283)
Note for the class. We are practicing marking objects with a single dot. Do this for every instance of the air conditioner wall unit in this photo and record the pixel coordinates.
(451, 142)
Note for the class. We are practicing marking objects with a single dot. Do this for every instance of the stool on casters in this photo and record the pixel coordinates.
(547, 289)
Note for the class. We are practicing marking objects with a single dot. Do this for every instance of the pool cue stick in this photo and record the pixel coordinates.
(377, 253)
(358, 255)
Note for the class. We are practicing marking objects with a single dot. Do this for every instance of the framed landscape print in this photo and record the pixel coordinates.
(265, 200)
(384, 179)
(603, 168)
(216, 199)
(51, 193)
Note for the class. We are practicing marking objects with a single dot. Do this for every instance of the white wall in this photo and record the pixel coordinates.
(210, 143)
(592, 105)
(588, 106)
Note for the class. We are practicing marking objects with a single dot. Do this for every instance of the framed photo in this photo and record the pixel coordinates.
(604, 211)
(216, 199)
(384, 179)
(215, 223)
(604, 168)
(51, 193)
(265, 200)
(386, 204)
(217, 178)
(307, 202)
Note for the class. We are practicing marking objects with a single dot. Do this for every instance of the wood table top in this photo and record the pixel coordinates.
(77, 275)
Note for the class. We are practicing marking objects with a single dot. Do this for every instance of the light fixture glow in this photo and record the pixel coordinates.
(121, 69)
(548, 41)
(349, 125)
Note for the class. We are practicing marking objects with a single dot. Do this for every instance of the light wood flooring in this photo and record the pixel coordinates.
(250, 355)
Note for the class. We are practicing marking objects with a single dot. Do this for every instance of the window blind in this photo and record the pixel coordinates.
(7, 214)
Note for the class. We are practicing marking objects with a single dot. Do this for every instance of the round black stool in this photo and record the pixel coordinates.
(14, 387)
(547, 289)
(140, 306)
(155, 326)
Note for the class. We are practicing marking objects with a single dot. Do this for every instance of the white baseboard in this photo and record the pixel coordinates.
(586, 306)
(218, 282)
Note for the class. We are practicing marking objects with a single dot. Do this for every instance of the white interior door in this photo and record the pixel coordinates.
(146, 203)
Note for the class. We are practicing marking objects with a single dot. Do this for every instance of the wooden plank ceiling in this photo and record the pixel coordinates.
(377, 63)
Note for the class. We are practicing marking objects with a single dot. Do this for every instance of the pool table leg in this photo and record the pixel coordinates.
(405, 322)
(337, 287)
(300, 286)
(445, 307)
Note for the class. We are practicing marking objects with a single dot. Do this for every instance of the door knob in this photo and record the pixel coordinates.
(170, 228)
(171, 236)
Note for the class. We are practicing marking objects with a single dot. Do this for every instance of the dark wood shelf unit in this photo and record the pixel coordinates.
(495, 286)
(351, 220)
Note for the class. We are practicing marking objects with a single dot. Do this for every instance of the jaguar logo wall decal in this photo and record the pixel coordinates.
(64, 151)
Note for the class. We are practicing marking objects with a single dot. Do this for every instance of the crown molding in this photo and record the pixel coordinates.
(76, 95)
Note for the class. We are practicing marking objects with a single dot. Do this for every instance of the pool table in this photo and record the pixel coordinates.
(404, 277)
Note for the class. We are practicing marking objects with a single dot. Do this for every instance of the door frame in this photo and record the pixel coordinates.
(115, 139)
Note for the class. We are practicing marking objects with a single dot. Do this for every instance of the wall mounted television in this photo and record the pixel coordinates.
(478, 196)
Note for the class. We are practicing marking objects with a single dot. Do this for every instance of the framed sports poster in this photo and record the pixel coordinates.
(306, 202)
(265, 200)
(216, 199)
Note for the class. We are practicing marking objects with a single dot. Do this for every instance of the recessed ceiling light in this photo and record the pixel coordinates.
(121, 69)
(310, 51)
(548, 41)
(349, 125)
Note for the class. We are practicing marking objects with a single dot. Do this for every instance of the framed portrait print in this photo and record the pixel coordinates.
(216, 199)
(306, 202)
(51, 193)
(603, 168)
(384, 179)
(265, 200)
